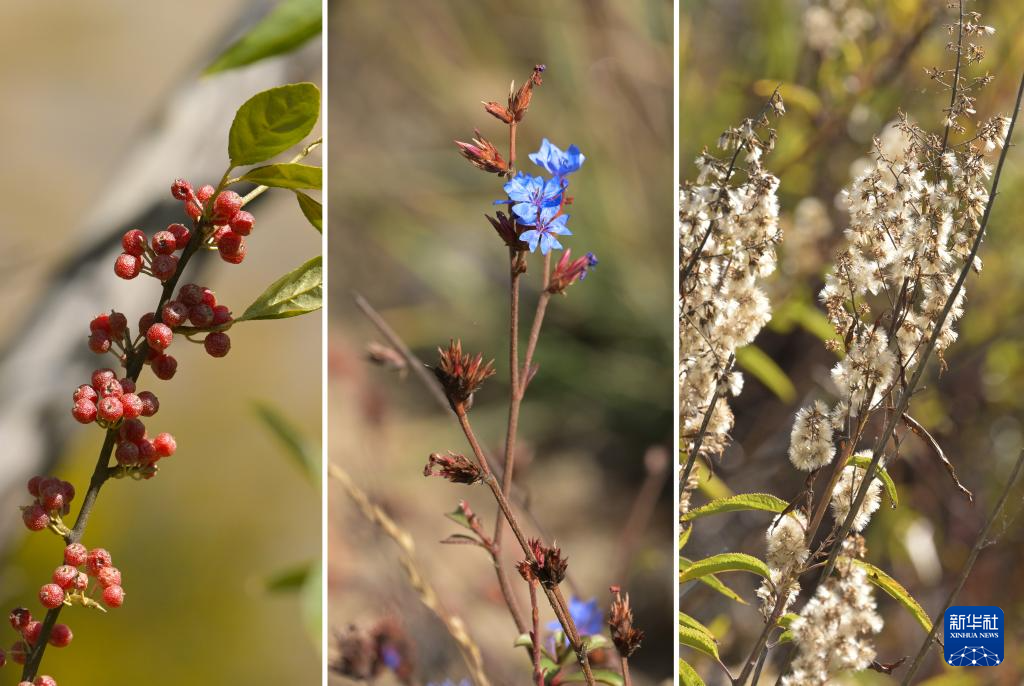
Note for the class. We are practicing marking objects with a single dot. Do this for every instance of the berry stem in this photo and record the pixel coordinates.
(260, 190)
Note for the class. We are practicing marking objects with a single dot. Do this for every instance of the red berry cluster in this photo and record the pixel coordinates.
(155, 257)
(52, 499)
(196, 308)
(231, 223)
(107, 401)
(30, 630)
(136, 449)
(71, 585)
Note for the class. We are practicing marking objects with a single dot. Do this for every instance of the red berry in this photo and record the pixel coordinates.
(230, 244)
(146, 321)
(53, 499)
(69, 491)
(132, 405)
(205, 192)
(134, 243)
(201, 315)
(217, 344)
(147, 453)
(164, 367)
(164, 243)
(150, 403)
(127, 385)
(111, 389)
(84, 411)
(164, 445)
(75, 555)
(19, 618)
(65, 575)
(100, 322)
(51, 596)
(82, 582)
(164, 266)
(127, 453)
(110, 409)
(221, 315)
(237, 257)
(44, 680)
(60, 636)
(85, 392)
(191, 294)
(113, 596)
(242, 223)
(99, 342)
(32, 631)
(109, 576)
(128, 266)
(225, 206)
(193, 210)
(159, 336)
(35, 517)
(181, 235)
(219, 233)
(118, 324)
(209, 297)
(132, 430)
(33, 485)
(181, 189)
(97, 559)
(18, 653)
(101, 377)
(174, 313)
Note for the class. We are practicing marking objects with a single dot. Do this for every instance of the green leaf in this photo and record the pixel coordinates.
(290, 579)
(286, 175)
(460, 518)
(313, 210)
(297, 292)
(523, 641)
(725, 562)
(595, 642)
(688, 675)
(880, 473)
(602, 676)
(273, 121)
(684, 536)
(713, 581)
(688, 621)
(755, 361)
(698, 640)
(896, 590)
(285, 28)
(744, 501)
(291, 438)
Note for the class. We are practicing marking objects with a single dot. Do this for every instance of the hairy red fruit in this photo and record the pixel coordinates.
(113, 596)
(221, 315)
(159, 336)
(52, 499)
(109, 576)
(97, 559)
(99, 342)
(201, 315)
(134, 242)
(44, 680)
(217, 344)
(101, 377)
(164, 445)
(35, 517)
(100, 322)
(193, 210)
(82, 582)
(174, 313)
(164, 243)
(127, 454)
(230, 244)
(242, 223)
(110, 409)
(205, 192)
(181, 234)
(84, 411)
(117, 324)
(69, 491)
(132, 405)
(132, 430)
(127, 266)
(85, 392)
(164, 367)
(147, 453)
(60, 636)
(65, 575)
(181, 189)
(75, 554)
(164, 266)
(19, 618)
(111, 389)
(191, 294)
(33, 485)
(32, 631)
(127, 385)
(225, 206)
(237, 257)
(209, 297)
(147, 320)
(219, 233)
(150, 403)
(51, 596)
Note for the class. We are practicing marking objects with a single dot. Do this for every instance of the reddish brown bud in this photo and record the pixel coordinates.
(508, 230)
(461, 375)
(620, 620)
(499, 111)
(456, 468)
(550, 566)
(482, 154)
(569, 271)
(519, 101)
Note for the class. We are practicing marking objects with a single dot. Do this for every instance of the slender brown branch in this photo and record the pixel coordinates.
(980, 543)
(956, 79)
(698, 441)
(538, 673)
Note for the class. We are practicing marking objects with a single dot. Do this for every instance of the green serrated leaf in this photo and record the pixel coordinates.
(698, 640)
(312, 210)
(291, 438)
(688, 675)
(896, 590)
(688, 621)
(713, 581)
(743, 501)
(273, 121)
(297, 292)
(291, 175)
(285, 28)
(880, 473)
(290, 579)
(725, 562)
(762, 367)
(602, 676)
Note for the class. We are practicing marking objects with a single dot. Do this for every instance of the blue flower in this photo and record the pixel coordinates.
(547, 226)
(556, 161)
(586, 616)
(529, 195)
(591, 263)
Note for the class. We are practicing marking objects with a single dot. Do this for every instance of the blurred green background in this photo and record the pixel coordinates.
(845, 68)
(409, 233)
(197, 543)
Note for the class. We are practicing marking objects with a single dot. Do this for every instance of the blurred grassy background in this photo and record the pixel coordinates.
(408, 231)
(837, 98)
(197, 543)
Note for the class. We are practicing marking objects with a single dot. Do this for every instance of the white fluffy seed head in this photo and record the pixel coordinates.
(810, 442)
(786, 539)
(846, 490)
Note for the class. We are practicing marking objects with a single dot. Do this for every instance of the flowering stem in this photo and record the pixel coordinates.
(980, 543)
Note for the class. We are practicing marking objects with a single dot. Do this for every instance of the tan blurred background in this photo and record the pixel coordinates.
(845, 67)
(409, 233)
(197, 544)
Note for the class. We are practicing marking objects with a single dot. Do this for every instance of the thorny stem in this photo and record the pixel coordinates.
(980, 543)
(555, 597)
(904, 400)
